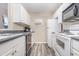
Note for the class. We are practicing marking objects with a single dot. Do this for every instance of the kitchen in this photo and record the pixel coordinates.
(39, 29)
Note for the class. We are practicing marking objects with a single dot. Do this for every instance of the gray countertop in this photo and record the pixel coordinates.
(4, 38)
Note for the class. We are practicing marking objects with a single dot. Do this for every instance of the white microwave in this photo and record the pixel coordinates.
(71, 13)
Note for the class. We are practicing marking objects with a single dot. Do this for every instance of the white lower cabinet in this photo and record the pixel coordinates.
(74, 47)
(16, 47)
(75, 44)
(19, 50)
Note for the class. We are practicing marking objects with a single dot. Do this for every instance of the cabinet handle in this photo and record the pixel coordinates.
(13, 53)
(71, 54)
(15, 50)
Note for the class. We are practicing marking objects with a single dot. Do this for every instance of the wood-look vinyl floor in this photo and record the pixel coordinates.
(41, 49)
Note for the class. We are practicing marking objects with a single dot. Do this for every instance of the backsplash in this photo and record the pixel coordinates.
(66, 26)
(73, 26)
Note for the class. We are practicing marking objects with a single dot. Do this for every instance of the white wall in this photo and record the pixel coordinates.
(39, 35)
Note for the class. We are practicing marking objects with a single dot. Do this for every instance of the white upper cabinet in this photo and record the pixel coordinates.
(59, 16)
(14, 11)
(18, 14)
(58, 13)
(25, 16)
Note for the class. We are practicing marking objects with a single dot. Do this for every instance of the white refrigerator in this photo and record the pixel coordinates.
(52, 29)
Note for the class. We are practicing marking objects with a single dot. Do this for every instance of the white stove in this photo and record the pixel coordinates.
(63, 43)
(70, 35)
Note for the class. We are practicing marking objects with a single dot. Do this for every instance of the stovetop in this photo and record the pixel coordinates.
(67, 33)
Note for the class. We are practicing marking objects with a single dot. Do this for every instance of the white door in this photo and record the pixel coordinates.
(52, 25)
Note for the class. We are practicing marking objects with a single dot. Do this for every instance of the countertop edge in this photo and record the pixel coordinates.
(13, 37)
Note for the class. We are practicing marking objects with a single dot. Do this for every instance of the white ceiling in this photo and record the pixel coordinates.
(41, 9)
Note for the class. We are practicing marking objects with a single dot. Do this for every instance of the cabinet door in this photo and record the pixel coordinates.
(60, 17)
(18, 14)
(75, 44)
(15, 11)
(9, 53)
(25, 16)
(20, 48)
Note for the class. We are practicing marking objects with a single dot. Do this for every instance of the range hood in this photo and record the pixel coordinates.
(71, 14)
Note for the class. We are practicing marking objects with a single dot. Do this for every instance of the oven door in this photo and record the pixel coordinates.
(63, 45)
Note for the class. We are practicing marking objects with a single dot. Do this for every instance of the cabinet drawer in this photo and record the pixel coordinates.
(75, 44)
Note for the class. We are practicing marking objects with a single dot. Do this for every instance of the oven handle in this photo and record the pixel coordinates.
(53, 32)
